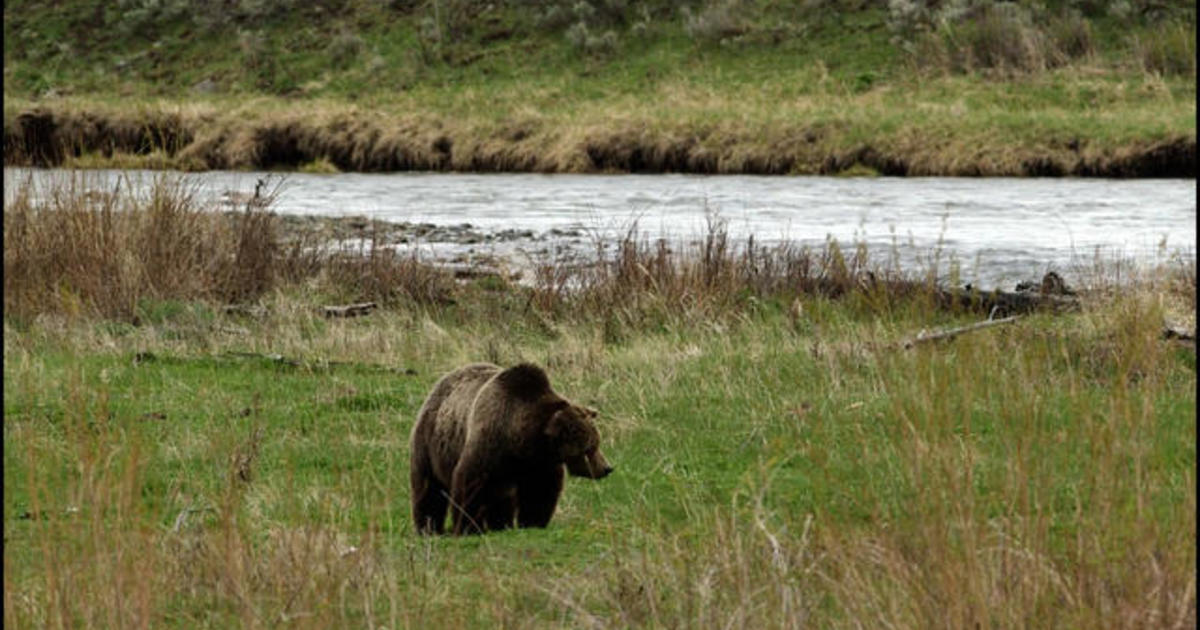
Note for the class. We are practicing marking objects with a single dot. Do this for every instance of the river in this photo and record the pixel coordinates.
(999, 230)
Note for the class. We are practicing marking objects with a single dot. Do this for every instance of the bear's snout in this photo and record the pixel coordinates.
(589, 466)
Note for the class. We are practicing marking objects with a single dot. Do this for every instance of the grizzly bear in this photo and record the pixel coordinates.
(491, 444)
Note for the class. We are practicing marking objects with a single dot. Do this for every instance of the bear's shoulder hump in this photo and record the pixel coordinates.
(525, 381)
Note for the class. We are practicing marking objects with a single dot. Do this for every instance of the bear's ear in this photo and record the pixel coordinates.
(558, 422)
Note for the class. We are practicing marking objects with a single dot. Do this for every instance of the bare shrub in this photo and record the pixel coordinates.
(582, 38)
(1001, 37)
(74, 251)
(381, 274)
(1169, 51)
(345, 49)
(1071, 35)
(995, 37)
(716, 21)
(638, 280)
(78, 251)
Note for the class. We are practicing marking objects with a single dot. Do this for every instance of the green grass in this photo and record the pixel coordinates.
(766, 474)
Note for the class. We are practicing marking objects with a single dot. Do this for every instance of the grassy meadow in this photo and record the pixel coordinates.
(781, 460)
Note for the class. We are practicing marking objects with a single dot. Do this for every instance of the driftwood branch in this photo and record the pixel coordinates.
(183, 516)
(954, 332)
(350, 310)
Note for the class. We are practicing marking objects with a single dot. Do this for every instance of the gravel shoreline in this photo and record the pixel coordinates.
(462, 248)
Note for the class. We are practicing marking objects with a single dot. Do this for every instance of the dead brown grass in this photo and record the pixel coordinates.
(638, 278)
(74, 251)
(78, 252)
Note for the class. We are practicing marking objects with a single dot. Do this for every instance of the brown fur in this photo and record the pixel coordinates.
(492, 444)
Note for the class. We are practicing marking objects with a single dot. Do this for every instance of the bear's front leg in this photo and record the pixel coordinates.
(537, 496)
(480, 501)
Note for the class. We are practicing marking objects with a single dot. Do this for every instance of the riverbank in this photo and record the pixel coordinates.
(892, 132)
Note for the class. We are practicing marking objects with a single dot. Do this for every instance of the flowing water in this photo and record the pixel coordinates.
(998, 230)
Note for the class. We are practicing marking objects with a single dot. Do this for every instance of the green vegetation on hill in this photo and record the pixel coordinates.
(356, 49)
(717, 86)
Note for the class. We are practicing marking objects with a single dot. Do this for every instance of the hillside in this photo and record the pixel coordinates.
(751, 87)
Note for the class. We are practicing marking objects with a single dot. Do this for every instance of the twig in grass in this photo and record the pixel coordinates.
(183, 516)
(584, 616)
(954, 332)
(243, 458)
(1186, 603)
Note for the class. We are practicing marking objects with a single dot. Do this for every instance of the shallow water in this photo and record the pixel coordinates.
(998, 229)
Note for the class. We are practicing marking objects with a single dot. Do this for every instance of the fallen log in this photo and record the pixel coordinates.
(950, 333)
(350, 310)
(1005, 302)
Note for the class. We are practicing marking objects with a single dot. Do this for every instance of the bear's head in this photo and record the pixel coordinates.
(572, 430)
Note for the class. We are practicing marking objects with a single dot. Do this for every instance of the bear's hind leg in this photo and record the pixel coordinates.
(429, 496)
(537, 497)
(429, 506)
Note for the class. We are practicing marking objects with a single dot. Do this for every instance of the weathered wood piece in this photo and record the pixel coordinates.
(350, 310)
(250, 310)
(950, 333)
(1178, 333)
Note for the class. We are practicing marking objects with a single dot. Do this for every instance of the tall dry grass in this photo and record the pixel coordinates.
(84, 252)
(637, 278)
(75, 251)
(78, 252)
(1005, 39)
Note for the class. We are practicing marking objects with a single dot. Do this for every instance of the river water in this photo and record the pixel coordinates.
(998, 229)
